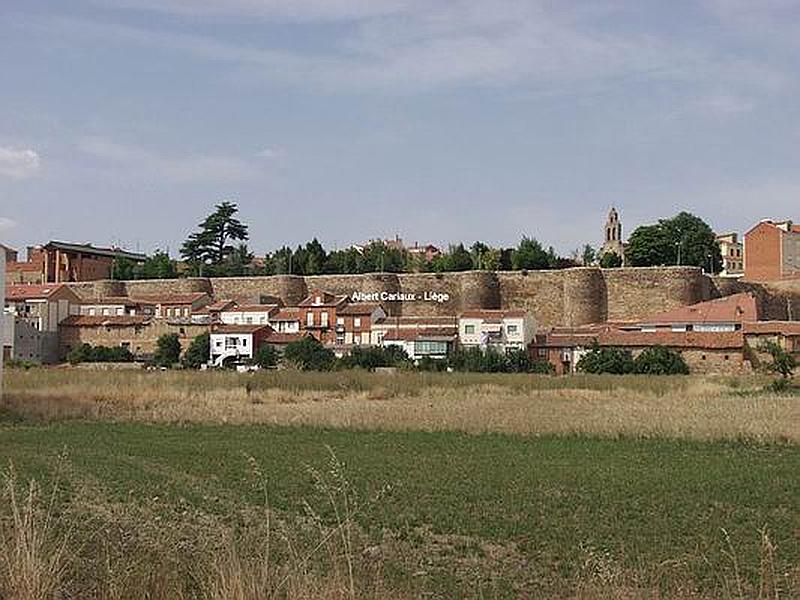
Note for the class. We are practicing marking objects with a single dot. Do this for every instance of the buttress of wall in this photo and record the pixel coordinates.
(540, 292)
(640, 291)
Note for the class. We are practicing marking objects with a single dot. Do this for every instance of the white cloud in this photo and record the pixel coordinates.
(18, 163)
(180, 169)
(270, 153)
(6, 223)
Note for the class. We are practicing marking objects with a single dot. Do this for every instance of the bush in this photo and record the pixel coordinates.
(89, 353)
(168, 350)
(267, 357)
(478, 360)
(610, 260)
(308, 354)
(199, 351)
(658, 360)
(426, 363)
(615, 361)
(372, 357)
(782, 363)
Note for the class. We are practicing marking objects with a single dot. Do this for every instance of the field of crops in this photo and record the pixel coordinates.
(557, 497)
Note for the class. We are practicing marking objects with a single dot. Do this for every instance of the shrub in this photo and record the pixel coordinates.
(89, 353)
(610, 260)
(168, 350)
(198, 352)
(308, 354)
(615, 361)
(267, 357)
(426, 363)
(782, 363)
(658, 360)
(372, 357)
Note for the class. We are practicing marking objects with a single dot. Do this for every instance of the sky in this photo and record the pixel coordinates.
(125, 121)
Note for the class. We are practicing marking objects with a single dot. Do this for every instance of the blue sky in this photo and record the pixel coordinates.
(125, 121)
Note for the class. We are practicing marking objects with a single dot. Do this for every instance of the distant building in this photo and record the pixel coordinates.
(732, 251)
(32, 316)
(10, 254)
(318, 315)
(62, 262)
(613, 236)
(239, 344)
(772, 251)
(432, 337)
(354, 323)
(427, 252)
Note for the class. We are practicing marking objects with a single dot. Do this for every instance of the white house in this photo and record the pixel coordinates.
(248, 314)
(500, 329)
(286, 320)
(431, 336)
(236, 343)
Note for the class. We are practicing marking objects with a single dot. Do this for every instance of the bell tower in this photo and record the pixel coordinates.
(613, 235)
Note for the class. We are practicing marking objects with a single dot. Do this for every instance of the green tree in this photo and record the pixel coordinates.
(610, 260)
(782, 363)
(491, 259)
(308, 354)
(123, 269)
(458, 258)
(658, 360)
(157, 266)
(315, 257)
(530, 255)
(479, 253)
(199, 352)
(210, 245)
(168, 350)
(267, 356)
(615, 361)
(588, 255)
(685, 239)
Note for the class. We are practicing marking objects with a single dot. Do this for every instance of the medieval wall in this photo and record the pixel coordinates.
(565, 297)
(779, 300)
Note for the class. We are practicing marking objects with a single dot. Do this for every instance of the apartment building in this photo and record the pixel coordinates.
(732, 251)
(32, 315)
(354, 323)
(318, 313)
(772, 251)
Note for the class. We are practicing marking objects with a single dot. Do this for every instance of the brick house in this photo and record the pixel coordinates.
(64, 262)
(286, 320)
(772, 251)
(318, 313)
(354, 323)
(137, 333)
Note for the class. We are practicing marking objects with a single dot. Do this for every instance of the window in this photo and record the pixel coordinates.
(324, 319)
(249, 320)
(309, 319)
(244, 342)
(357, 322)
(317, 300)
(230, 342)
(340, 320)
(469, 329)
(512, 330)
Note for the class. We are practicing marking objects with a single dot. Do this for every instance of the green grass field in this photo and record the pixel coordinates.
(464, 515)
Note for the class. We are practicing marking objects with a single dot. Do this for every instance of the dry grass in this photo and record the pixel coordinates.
(695, 407)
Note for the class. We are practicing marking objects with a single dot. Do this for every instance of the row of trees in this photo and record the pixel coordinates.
(655, 360)
(218, 248)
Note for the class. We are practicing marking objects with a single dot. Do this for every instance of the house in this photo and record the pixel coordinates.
(426, 252)
(772, 251)
(174, 306)
(503, 330)
(354, 323)
(286, 320)
(138, 333)
(420, 336)
(62, 262)
(248, 314)
(210, 313)
(116, 306)
(725, 314)
(704, 352)
(318, 312)
(732, 251)
(239, 344)
(32, 315)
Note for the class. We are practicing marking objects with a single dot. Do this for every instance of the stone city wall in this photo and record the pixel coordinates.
(566, 297)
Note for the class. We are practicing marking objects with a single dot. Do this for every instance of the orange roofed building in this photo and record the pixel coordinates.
(772, 251)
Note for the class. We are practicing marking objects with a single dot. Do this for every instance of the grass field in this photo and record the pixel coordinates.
(412, 508)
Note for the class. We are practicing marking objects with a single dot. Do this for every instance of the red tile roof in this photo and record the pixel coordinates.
(418, 321)
(638, 339)
(493, 314)
(737, 308)
(435, 334)
(788, 328)
(23, 291)
(284, 338)
(189, 298)
(104, 321)
(290, 313)
(359, 308)
(245, 328)
(258, 308)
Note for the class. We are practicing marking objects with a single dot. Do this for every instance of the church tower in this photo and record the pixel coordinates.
(613, 235)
